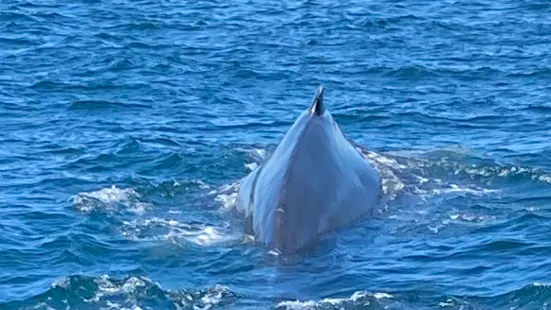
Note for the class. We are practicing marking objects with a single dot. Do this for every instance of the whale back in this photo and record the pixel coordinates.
(313, 183)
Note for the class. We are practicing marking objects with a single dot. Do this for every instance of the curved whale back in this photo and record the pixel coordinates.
(314, 182)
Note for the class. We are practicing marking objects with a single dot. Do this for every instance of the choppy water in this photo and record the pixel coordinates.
(127, 125)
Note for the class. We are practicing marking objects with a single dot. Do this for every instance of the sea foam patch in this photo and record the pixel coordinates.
(174, 231)
(132, 292)
(359, 299)
(110, 198)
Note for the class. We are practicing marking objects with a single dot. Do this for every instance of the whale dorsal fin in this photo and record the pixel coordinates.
(318, 106)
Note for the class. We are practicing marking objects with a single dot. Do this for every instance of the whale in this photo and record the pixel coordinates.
(314, 183)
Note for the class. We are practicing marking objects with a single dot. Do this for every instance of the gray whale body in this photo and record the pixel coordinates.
(315, 182)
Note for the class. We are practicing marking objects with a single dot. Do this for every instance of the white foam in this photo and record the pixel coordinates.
(173, 230)
(260, 153)
(391, 183)
(470, 218)
(110, 198)
(437, 224)
(227, 195)
(488, 171)
(226, 188)
(251, 166)
(435, 229)
(128, 294)
(43, 305)
(112, 194)
(380, 159)
(382, 295)
(64, 283)
(447, 303)
(201, 184)
(297, 305)
(360, 298)
(544, 178)
(228, 200)
(454, 189)
(215, 297)
(130, 289)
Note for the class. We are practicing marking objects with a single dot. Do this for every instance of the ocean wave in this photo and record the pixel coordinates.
(132, 292)
(138, 292)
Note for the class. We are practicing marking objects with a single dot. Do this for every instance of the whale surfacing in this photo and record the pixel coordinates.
(315, 182)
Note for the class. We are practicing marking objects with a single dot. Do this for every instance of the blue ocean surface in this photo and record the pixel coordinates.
(126, 127)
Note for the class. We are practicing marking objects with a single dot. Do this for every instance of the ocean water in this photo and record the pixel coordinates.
(126, 127)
